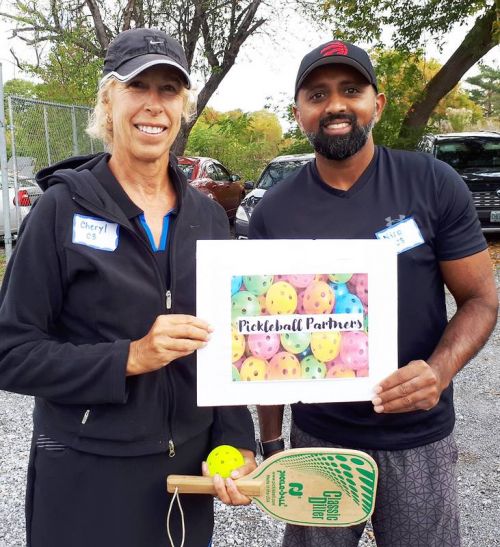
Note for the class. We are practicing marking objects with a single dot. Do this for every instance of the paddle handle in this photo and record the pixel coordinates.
(191, 484)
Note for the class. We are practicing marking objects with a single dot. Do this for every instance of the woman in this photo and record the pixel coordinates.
(97, 322)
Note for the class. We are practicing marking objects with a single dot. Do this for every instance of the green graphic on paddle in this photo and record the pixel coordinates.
(305, 486)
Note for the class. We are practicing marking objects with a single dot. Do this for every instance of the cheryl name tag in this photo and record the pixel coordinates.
(94, 232)
(404, 234)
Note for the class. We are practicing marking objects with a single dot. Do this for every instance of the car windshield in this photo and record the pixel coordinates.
(470, 153)
(277, 171)
(187, 169)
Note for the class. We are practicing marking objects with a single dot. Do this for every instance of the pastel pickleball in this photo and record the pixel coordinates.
(281, 299)
(340, 277)
(236, 281)
(318, 298)
(237, 345)
(349, 303)
(284, 366)
(243, 304)
(300, 281)
(253, 368)
(223, 460)
(335, 362)
(325, 346)
(358, 285)
(312, 368)
(258, 284)
(338, 371)
(339, 289)
(295, 342)
(264, 345)
(354, 349)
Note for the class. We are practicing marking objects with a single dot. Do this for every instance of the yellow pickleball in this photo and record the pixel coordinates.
(224, 459)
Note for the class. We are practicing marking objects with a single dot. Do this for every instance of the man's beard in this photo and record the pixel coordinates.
(340, 147)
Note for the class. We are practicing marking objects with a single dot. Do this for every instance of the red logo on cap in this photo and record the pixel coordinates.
(334, 48)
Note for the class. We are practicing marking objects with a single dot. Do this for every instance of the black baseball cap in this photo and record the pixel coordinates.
(338, 52)
(135, 50)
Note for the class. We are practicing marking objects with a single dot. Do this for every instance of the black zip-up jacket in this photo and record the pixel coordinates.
(68, 313)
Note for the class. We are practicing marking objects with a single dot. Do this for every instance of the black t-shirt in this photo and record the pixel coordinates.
(395, 185)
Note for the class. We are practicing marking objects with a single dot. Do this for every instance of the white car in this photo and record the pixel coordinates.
(19, 203)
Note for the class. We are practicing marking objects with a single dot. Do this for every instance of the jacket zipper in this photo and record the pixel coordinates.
(168, 306)
(168, 379)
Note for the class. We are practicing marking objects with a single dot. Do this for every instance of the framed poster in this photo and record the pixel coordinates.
(296, 320)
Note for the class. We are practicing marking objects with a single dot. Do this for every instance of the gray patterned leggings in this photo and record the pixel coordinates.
(416, 503)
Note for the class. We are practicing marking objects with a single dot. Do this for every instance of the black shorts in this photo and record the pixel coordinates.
(77, 499)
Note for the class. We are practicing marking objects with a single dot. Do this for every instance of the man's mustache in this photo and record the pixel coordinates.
(332, 118)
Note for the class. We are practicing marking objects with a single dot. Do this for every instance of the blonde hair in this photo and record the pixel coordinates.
(100, 126)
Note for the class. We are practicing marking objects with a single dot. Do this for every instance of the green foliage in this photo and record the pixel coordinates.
(412, 20)
(294, 141)
(487, 89)
(3, 266)
(21, 88)
(70, 73)
(402, 77)
(244, 142)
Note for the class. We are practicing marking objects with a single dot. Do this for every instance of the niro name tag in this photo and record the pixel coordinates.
(405, 234)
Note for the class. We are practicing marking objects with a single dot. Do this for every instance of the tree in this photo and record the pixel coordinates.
(403, 77)
(21, 88)
(411, 21)
(244, 142)
(487, 92)
(78, 33)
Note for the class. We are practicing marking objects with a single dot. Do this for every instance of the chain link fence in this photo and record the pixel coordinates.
(38, 134)
(47, 132)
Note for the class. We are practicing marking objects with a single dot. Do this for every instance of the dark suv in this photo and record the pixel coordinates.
(275, 172)
(476, 157)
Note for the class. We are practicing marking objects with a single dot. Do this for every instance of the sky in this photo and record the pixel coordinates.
(267, 64)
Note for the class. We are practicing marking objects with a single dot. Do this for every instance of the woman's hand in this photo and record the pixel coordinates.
(226, 489)
(170, 337)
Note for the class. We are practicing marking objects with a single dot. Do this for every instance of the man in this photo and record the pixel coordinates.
(355, 189)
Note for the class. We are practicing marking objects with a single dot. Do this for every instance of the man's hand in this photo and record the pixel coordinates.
(170, 337)
(226, 489)
(417, 386)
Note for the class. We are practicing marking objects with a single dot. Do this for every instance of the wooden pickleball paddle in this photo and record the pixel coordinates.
(304, 486)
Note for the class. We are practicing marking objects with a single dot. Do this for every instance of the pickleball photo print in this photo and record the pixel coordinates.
(302, 320)
(299, 326)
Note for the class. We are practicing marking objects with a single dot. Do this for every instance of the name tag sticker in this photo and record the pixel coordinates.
(405, 234)
(95, 232)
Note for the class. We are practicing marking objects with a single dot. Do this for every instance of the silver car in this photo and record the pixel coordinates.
(19, 204)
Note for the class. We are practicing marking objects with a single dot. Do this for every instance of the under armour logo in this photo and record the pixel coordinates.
(389, 221)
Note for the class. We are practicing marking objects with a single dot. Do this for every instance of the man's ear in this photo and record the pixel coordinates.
(380, 101)
(296, 115)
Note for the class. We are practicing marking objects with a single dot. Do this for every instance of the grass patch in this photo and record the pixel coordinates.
(3, 264)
